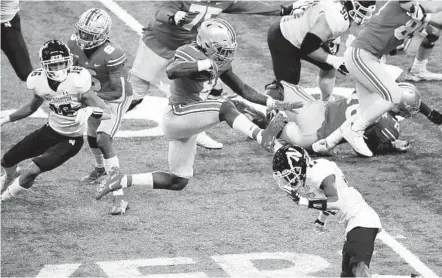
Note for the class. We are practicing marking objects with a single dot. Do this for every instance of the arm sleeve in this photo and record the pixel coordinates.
(238, 86)
(253, 7)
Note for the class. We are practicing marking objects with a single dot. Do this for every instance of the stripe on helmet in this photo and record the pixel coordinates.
(89, 18)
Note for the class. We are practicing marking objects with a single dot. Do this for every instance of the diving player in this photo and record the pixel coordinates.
(67, 90)
(106, 61)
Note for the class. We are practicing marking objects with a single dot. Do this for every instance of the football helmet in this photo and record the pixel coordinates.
(56, 60)
(410, 102)
(290, 166)
(93, 28)
(217, 38)
(360, 11)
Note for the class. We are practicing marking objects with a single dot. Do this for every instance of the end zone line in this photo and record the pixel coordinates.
(406, 254)
(387, 239)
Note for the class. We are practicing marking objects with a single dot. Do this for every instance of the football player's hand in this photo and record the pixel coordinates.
(435, 117)
(418, 13)
(179, 18)
(338, 63)
(292, 193)
(286, 105)
(401, 145)
(208, 65)
(4, 120)
(342, 69)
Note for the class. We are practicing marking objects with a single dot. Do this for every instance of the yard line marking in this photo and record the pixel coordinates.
(406, 254)
(396, 246)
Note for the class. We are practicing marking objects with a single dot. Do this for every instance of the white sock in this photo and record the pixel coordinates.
(98, 157)
(242, 124)
(144, 179)
(419, 65)
(13, 190)
(334, 138)
(108, 164)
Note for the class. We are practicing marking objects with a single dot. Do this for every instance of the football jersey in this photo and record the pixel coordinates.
(185, 90)
(164, 38)
(387, 29)
(353, 210)
(294, 29)
(106, 58)
(65, 101)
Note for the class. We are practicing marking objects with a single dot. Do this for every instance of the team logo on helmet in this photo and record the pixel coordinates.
(290, 166)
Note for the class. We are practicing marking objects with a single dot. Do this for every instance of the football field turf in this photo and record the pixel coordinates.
(232, 219)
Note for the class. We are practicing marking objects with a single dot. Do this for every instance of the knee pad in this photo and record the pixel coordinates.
(430, 40)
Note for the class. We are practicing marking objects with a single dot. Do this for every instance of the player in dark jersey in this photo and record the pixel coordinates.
(67, 91)
(106, 61)
(195, 70)
(176, 24)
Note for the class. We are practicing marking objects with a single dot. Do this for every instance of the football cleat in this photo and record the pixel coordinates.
(321, 147)
(204, 140)
(423, 75)
(120, 205)
(95, 175)
(111, 183)
(273, 130)
(6, 181)
(355, 139)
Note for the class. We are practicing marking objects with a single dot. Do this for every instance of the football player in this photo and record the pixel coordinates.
(320, 184)
(321, 120)
(195, 70)
(377, 91)
(305, 37)
(67, 91)
(105, 60)
(13, 44)
(176, 24)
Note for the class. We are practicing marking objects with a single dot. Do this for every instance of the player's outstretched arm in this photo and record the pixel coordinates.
(256, 7)
(238, 86)
(24, 111)
(92, 101)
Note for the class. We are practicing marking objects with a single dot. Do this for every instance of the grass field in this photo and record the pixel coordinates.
(231, 220)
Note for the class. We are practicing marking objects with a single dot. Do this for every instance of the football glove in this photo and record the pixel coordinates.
(435, 117)
(179, 18)
(338, 63)
(418, 13)
(208, 65)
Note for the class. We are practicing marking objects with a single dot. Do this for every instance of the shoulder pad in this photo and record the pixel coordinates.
(337, 18)
(321, 169)
(82, 79)
(33, 78)
(189, 53)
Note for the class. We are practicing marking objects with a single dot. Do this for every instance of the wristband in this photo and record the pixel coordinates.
(270, 102)
(318, 204)
(204, 65)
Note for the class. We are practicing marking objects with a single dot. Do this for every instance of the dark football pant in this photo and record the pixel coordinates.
(14, 47)
(48, 149)
(286, 58)
(358, 248)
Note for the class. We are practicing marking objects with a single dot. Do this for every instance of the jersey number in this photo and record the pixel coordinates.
(109, 49)
(63, 109)
(202, 11)
(344, 13)
(96, 85)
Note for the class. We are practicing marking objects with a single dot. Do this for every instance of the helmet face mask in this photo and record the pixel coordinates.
(290, 166)
(93, 28)
(218, 40)
(361, 11)
(410, 102)
(56, 60)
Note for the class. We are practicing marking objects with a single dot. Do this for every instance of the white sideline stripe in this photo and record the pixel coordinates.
(406, 254)
(397, 247)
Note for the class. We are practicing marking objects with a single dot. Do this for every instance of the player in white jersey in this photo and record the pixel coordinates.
(296, 38)
(67, 91)
(320, 184)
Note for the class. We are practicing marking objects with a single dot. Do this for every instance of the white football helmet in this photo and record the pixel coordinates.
(410, 103)
(56, 60)
(360, 11)
(93, 28)
(218, 40)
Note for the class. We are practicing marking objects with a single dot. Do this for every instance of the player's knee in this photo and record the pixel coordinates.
(29, 174)
(430, 40)
(360, 269)
(228, 112)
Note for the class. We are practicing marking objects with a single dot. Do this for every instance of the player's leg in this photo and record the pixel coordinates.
(326, 78)
(62, 148)
(285, 57)
(105, 133)
(14, 47)
(98, 171)
(418, 71)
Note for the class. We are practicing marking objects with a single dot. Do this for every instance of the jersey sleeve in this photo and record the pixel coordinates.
(337, 19)
(253, 7)
(115, 56)
(31, 81)
(188, 53)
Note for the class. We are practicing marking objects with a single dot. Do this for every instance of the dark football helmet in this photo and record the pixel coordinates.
(360, 11)
(56, 60)
(290, 166)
